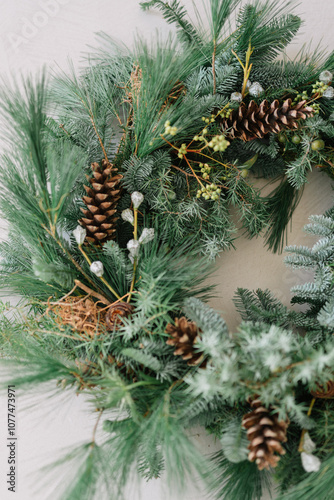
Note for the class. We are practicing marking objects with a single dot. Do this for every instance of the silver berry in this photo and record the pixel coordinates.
(256, 89)
(147, 235)
(127, 215)
(329, 93)
(79, 234)
(97, 268)
(236, 97)
(133, 247)
(137, 199)
(326, 77)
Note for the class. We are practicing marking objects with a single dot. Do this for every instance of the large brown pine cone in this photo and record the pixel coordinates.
(254, 121)
(184, 335)
(101, 201)
(265, 433)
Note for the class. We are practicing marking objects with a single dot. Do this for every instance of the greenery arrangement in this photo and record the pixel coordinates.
(117, 186)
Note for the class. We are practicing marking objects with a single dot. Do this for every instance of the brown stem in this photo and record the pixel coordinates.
(64, 129)
(98, 135)
(193, 171)
(91, 292)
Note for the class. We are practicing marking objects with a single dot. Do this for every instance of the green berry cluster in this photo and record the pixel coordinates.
(210, 192)
(295, 138)
(302, 97)
(201, 137)
(205, 169)
(182, 151)
(208, 120)
(316, 108)
(170, 130)
(219, 143)
(319, 88)
(225, 112)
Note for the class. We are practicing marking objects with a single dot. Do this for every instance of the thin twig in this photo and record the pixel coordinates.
(98, 135)
(91, 292)
(95, 429)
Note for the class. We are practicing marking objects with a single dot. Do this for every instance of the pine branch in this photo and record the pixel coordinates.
(316, 485)
(280, 206)
(175, 13)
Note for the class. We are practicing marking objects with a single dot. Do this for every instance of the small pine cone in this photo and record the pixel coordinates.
(265, 433)
(184, 335)
(324, 392)
(255, 121)
(115, 314)
(101, 201)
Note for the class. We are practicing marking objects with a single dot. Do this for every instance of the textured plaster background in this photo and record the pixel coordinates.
(34, 33)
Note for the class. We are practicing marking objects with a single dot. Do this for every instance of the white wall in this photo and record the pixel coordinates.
(37, 32)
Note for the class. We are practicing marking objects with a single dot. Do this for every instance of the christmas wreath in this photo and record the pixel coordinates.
(118, 186)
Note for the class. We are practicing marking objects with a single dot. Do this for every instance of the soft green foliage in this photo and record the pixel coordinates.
(234, 442)
(240, 480)
(267, 361)
(317, 485)
(319, 258)
(317, 321)
(318, 294)
(269, 27)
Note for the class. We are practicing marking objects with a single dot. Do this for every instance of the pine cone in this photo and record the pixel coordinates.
(255, 121)
(115, 314)
(265, 433)
(101, 202)
(184, 336)
(324, 392)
